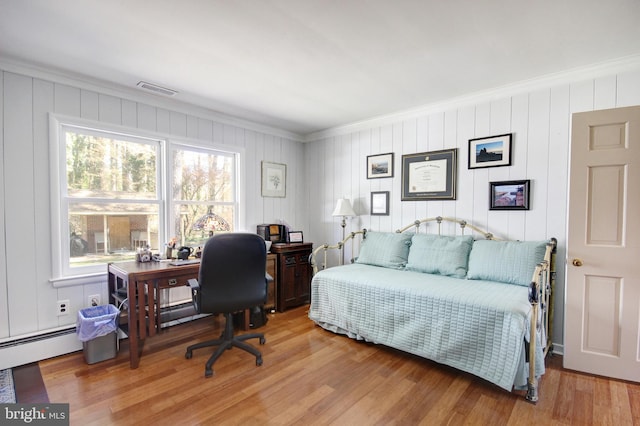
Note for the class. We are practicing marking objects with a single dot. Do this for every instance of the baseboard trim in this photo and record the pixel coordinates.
(558, 349)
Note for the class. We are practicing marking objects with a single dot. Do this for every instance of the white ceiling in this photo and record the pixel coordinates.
(309, 65)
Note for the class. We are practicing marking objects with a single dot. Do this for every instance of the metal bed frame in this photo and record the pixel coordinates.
(541, 289)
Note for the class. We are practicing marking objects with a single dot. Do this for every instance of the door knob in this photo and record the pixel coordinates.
(576, 262)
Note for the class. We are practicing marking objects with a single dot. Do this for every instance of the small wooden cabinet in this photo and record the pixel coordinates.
(294, 274)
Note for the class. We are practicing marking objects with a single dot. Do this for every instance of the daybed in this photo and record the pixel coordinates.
(468, 300)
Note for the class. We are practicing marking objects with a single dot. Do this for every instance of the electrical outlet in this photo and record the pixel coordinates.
(93, 300)
(63, 307)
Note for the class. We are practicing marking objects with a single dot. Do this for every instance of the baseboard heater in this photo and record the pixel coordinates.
(38, 346)
(38, 337)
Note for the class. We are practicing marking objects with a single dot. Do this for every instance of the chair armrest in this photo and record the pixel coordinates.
(193, 283)
(268, 277)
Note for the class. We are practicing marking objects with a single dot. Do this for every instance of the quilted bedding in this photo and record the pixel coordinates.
(475, 326)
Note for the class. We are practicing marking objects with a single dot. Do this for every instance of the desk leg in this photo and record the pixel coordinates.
(141, 325)
(151, 304)
(132, 289)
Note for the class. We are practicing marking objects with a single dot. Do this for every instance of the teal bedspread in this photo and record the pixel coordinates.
(475, 326)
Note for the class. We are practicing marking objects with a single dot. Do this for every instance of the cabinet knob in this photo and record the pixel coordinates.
(576, 262)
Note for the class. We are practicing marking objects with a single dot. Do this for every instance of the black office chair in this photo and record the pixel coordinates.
(232, 278)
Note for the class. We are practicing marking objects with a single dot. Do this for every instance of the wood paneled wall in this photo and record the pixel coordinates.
(27, 298)
(330, 166)
(540, 122)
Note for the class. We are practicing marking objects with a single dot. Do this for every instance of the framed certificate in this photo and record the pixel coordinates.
(295, 237)
(429, 175)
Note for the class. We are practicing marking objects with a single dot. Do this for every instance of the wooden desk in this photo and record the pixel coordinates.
(143, 282)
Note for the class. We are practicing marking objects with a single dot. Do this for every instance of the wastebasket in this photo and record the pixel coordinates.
(97, 329)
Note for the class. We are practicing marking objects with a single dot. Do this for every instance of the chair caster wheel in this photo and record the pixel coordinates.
(262, 340)
(208, 373)
(259, 361)
(188, 355)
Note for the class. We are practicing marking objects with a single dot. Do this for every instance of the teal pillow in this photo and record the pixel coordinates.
(510, 262)
(439, 254)
(387, 249)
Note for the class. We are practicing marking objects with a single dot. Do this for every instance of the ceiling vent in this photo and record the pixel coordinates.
(158, 90)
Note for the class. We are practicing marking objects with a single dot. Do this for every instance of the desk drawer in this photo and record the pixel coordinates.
(171, 282)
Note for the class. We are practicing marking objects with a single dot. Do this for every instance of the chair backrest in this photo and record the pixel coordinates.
(232, 273)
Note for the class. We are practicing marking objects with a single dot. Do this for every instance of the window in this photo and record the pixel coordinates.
(203, 194)
(117, 194)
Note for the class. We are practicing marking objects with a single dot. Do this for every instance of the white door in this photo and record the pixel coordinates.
(602, 312)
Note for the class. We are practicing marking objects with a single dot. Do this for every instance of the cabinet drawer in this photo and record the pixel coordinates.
(296, 259)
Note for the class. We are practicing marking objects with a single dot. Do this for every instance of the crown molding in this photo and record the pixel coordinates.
(54, 75)
(624, 64)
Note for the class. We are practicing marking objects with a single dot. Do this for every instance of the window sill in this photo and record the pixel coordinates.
(77, 280)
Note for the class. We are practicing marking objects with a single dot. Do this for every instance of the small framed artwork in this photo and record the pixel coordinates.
(429, 175)
(493, 151)
(509, 195)
(274, 179)
(380, 203)
(295, 237)
(380, 166)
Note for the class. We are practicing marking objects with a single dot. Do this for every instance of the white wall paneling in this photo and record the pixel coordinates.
(4, 290)
(330, 166)
(539, 120)
(27, 298)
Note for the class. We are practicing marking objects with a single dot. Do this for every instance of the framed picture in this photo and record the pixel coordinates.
(380, 203)
(274, 179)
(509, 195)
(295, 237)
(380, 166)
(493, 151)
(429, 175)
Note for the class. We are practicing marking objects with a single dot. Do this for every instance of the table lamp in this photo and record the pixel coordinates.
(344, 209)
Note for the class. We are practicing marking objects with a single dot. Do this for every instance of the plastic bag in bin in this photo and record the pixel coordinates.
(96, 321)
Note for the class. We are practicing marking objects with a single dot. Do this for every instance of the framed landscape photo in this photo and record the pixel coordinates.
(493, 151)
(380, 203)
(429, 175)
(380, 166)
(509, 195)
(274, 179)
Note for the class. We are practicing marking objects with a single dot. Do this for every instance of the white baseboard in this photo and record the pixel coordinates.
(32, 351)
(558, 349)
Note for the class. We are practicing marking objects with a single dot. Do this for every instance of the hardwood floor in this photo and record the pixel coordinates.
(311, 376)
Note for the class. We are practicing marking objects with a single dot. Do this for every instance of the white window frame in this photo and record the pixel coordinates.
(62, 274)
(198, 146)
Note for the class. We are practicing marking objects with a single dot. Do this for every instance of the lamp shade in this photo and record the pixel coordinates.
(211, 222)
(343, 208)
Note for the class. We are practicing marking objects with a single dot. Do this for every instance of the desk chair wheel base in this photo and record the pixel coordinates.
(226, 342)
